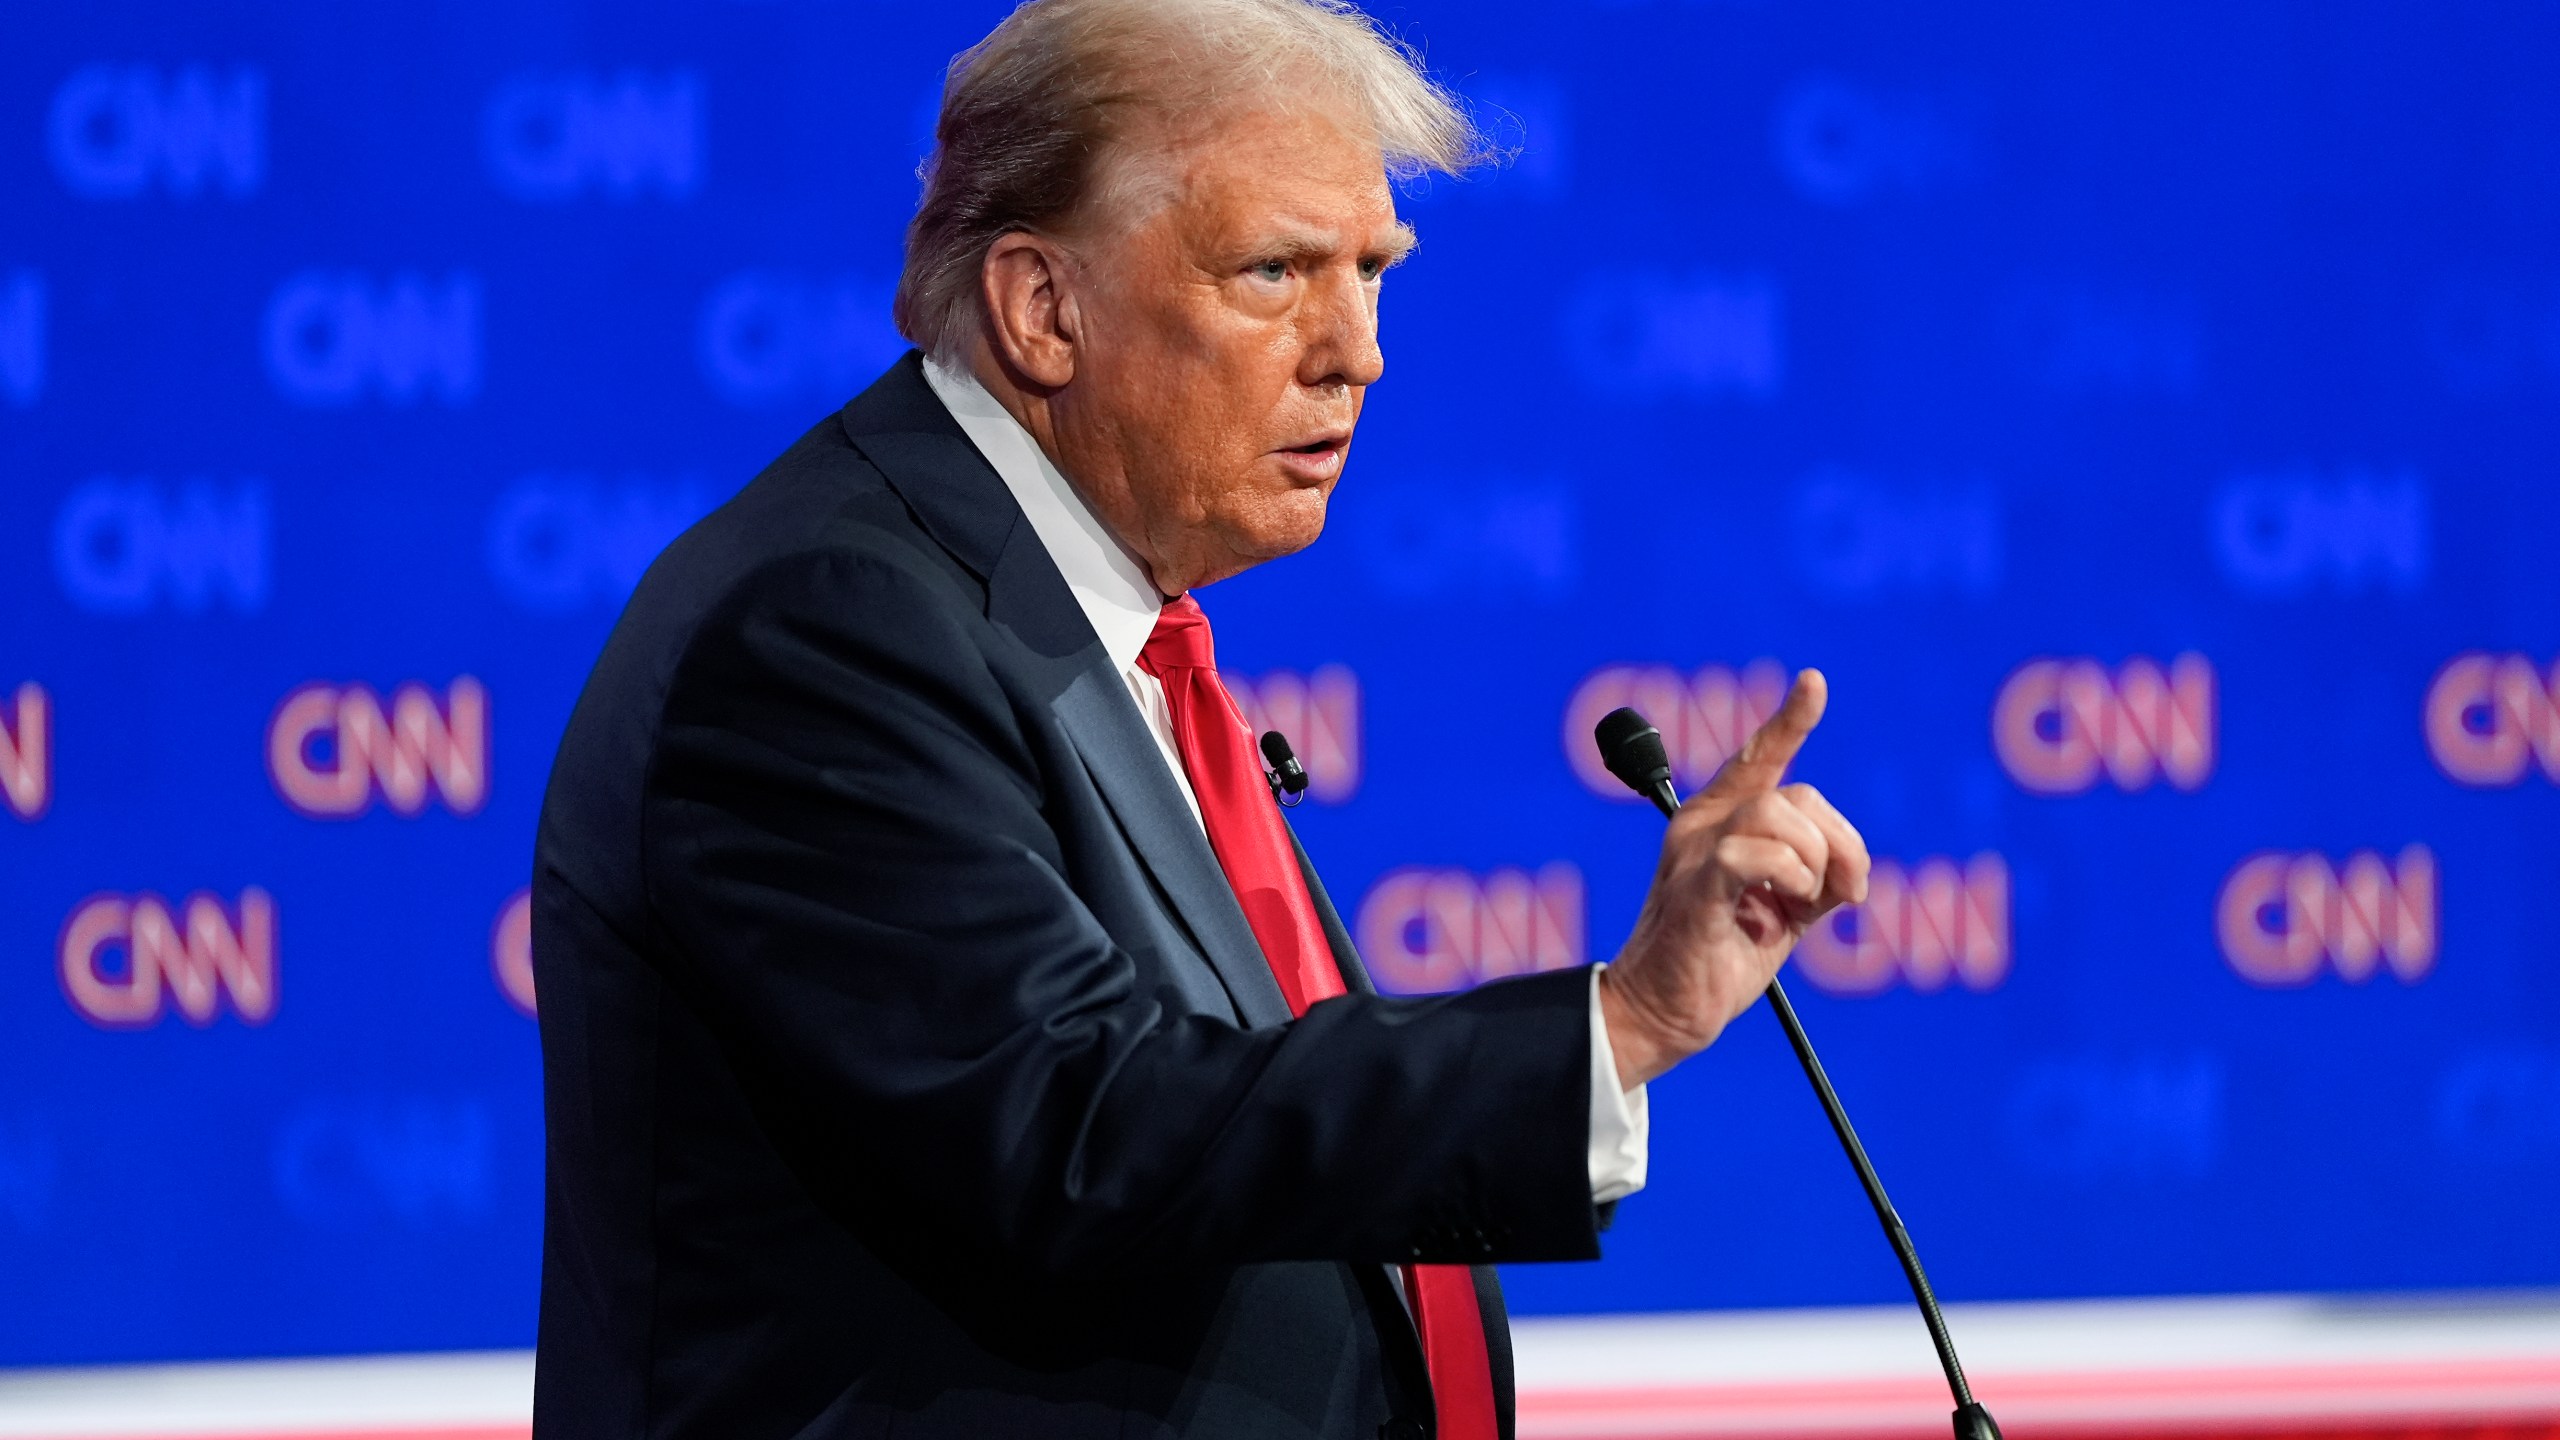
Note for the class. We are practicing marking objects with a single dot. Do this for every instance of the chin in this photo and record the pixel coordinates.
(1282, 529)
(1292, 526)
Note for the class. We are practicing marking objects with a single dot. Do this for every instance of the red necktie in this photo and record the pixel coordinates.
(1252, 846)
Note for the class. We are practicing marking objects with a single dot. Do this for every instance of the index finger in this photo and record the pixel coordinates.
(1762, 761)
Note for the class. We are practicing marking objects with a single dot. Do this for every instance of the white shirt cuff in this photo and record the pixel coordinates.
(1621, 1127)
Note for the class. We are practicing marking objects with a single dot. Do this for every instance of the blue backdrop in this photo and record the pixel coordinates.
(2144, 413)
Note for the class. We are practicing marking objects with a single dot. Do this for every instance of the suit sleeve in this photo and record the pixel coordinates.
(855, 885)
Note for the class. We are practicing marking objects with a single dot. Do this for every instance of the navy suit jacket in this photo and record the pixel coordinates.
(909, 1065)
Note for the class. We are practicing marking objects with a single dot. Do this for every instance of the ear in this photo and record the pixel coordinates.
(1030, 317)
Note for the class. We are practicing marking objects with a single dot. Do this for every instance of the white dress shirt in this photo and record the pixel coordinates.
(1121, 602)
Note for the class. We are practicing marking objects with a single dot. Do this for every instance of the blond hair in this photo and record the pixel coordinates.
(1037, 118)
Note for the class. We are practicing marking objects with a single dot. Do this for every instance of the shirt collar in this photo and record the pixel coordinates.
(1112, 589)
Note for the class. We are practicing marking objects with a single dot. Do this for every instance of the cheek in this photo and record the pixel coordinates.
(1201, 413)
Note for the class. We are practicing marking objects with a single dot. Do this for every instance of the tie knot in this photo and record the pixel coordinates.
(1181, 640)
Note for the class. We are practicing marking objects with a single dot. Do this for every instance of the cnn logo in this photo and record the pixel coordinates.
(1319, 712)
(114, 129)
(1704, 717)
(1425, 929)
(1922, 925)
(124, 959)
(2489, 717)
(121, 546)
(2282, 917)
(26, 752)
(554, 137)
(2059, 725)
(511, 951)
(21, 336)
(331, 750)
(333, 337)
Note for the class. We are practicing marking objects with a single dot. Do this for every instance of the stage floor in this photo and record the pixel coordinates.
(2401, 1365)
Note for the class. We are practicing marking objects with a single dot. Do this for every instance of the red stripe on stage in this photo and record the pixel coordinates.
(468, 1432)
(2521, 1397)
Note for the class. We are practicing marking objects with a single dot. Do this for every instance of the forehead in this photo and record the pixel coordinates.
(1294, 170)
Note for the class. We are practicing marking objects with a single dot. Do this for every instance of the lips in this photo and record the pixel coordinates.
(1315, 460)
(1327, 443)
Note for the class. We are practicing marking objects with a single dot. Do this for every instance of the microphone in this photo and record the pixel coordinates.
(1633, 751)
(1288, 778)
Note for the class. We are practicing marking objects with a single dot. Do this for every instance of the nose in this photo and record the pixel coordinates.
(1340, 331)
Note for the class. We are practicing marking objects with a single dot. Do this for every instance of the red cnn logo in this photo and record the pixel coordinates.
(1922, 924)
(193, 963)
(26, 752)
(1424, 930)
(2488, 715)
(1704, 717)
(2059, 724)
(1319, 712)
(2282, 916)
(511, 951)
(330, 749)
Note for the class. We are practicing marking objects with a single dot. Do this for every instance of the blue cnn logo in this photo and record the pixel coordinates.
(114, 130)
(559, 137)
(21, 337)
(415, 1161)
(1657, 337)
(334, 338)
(1859, 539)
(2288, 534)
(1482, 538)
(1840, 143)
(125, 546)
(2500, 1106)
(2093, 1118)
(559, 544)
(770, 337)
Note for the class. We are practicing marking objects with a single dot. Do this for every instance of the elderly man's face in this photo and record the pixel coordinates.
(1221, 348)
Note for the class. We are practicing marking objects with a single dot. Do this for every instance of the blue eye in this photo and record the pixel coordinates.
(1274, 271)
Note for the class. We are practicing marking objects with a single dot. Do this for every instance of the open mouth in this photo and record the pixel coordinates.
(1314, 462)
(1316, 447)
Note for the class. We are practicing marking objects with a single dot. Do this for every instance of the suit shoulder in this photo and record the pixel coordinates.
(820, 497)
(818, 544)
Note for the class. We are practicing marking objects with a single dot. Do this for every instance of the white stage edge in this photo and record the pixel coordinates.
(2153, 1366)
(2090, 1367)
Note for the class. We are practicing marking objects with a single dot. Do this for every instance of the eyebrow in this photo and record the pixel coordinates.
(1294, 244)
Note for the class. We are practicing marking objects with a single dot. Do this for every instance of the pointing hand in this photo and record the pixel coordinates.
(1747, 866)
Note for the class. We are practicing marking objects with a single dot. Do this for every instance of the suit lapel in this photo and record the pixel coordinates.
(905, 432)
(1103, 722)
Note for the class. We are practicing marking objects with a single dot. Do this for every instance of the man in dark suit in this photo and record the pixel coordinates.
(943, 1035)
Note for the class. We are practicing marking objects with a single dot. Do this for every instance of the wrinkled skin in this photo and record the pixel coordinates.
(1197, 376)
(1747, 866)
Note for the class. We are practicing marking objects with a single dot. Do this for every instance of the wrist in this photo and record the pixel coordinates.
(1637, 1041)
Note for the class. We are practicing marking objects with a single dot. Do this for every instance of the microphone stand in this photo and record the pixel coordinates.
(1649, 774)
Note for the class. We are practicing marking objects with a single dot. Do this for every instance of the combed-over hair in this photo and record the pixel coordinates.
(1033, 115)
